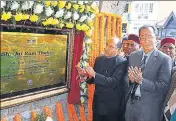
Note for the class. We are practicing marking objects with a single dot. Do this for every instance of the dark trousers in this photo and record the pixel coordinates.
(97, 117)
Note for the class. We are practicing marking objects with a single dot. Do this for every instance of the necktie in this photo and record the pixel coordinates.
(143, 63)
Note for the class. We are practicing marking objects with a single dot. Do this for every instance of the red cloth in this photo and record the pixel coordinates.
(167, 40)
(74, 92)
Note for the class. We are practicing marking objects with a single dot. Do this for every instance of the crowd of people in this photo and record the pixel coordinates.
(138, 84)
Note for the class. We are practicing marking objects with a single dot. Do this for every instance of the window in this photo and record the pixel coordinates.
(137, 8)
(124, 27)
(146, 8)
(151, 8)
(126, 8)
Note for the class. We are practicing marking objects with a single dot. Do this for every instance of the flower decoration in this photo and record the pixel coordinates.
(27, 5)
(15, 5)
(49, 11)
(69, 25)
(68, 6)
(75, 6)
(3, 4)
(83, 18)
(25, 16)
(6, 16)
(54, 3)
(68, 15)
(61, 4)
(59, 13)
(18, 17)
(38, 9)
(33, 18)
(75, 16)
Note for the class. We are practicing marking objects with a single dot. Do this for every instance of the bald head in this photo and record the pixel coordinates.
(116, 41)
(111, 47)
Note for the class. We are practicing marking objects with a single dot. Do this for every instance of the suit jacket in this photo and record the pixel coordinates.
(109, 84)
(155, 84)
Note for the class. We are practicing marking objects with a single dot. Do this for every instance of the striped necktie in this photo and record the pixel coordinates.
(143, 63)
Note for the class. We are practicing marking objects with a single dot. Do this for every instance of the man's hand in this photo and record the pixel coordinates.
(130, 75)
(90, 71)
(137, 74)
(80, 70)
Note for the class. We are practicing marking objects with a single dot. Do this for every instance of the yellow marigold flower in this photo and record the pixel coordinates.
(69, 25)
(68, 6)
(88, 8)
(6, 16)
(75, 6)
(45, 23)
(18, 17)
(55, 21)
(85, 27)
(89, 33)
(95, 9)
(78, 27)
(49, 20)
(61, 4)
(33, 18)
(82, 7)
(61, 25)
(90, 23)
(25, 16)
(54, 3)
(47, 3)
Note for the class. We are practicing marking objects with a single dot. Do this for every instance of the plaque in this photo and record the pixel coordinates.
(31, 61)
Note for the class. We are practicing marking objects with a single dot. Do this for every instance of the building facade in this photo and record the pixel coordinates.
(167, 27)
(139, 13)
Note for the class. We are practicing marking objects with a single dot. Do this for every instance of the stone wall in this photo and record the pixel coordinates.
(25, 109)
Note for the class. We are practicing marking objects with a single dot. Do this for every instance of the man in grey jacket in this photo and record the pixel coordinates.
(149, 74)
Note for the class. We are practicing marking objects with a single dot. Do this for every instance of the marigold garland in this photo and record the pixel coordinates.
(120, 28)
(33, 115)
(113, 28)
(17, 117)
(102, 27)
(82, 112)
(47, 111)
(69, 109)
(59, 112)
(72, 113)
(109, 27)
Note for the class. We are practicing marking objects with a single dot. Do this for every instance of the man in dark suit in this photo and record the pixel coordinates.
(149, 74)
(108, 76)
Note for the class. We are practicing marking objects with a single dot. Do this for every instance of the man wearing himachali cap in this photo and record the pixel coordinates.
(168, 47)
(130, 44)
(133, 43)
